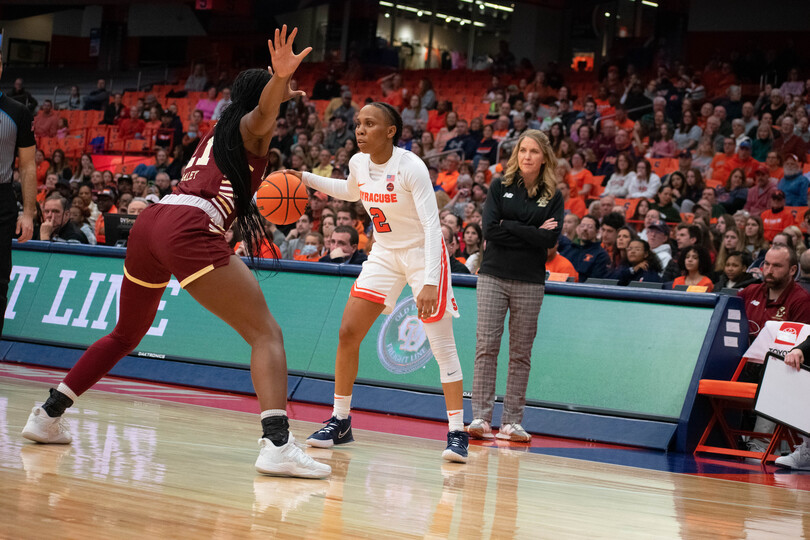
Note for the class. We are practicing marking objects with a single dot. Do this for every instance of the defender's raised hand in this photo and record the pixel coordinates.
(285, 62)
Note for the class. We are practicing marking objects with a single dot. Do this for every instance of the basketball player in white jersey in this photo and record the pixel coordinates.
(397, 193)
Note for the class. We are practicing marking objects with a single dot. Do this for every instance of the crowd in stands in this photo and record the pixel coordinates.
(675, 177)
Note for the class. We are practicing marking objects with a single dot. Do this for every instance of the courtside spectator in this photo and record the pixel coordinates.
(343, 247)
(448, 177)
(696, 266)
(638, 264)
(587, 255)
(666, 206)
(557, 264)
(734, 275)
(572, 205)
(778, 297)
(56, 224)
(657, 237)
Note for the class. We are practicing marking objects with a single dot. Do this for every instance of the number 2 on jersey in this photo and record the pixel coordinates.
(378, 218)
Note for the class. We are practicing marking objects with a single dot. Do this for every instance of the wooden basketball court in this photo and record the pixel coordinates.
(142, 467)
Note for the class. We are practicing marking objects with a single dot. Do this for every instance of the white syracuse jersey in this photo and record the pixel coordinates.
(399, 197)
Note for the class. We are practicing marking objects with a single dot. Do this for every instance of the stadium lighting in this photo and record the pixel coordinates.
(648, 3)
(607, 14)
(420, 12)
(387, 15)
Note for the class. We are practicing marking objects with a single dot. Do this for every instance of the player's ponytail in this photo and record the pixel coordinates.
(231, 157)
(394, 119)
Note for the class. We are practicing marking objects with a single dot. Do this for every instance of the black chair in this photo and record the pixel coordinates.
(728, 291)
(680, 287)
(646, 285)
(601, 281)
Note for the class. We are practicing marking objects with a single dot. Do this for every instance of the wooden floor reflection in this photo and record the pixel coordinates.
(143, 468)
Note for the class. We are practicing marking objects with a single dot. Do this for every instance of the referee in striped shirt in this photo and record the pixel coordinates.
(16, 139)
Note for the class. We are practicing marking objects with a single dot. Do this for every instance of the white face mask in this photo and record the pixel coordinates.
(309, 250)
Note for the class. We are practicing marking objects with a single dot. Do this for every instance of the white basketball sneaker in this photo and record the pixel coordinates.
(480, 429)
(799, 460)
(288, 460)
(44, 429)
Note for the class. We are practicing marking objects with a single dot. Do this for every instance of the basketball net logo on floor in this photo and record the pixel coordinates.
(402, 344)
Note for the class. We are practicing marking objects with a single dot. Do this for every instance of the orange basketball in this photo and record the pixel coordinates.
(282, 198)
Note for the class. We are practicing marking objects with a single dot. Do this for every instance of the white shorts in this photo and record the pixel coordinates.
(386, 272)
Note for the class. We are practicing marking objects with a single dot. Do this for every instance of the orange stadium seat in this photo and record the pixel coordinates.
(663, 166)
(725, 396)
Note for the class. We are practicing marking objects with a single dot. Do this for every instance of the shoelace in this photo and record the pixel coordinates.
(329, 427)
(455, 440)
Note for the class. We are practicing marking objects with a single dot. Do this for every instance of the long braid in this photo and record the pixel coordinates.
(231, 157)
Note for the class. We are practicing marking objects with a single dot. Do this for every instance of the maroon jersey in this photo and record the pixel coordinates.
(792, 305)
(202, 178)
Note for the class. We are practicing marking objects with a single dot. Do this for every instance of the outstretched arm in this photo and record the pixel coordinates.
(258, 125)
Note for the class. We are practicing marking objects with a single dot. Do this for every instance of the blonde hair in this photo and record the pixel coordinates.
(794, 230)
(548, 176)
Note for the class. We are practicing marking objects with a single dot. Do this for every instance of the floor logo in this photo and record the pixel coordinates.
(402, 344)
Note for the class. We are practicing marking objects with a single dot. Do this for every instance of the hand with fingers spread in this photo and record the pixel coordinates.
(285, 62)
(289, 93)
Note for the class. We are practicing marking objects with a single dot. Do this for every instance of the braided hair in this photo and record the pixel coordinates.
(231, 157)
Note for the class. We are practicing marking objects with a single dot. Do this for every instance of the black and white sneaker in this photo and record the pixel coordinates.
(334, 432)
(457, 443)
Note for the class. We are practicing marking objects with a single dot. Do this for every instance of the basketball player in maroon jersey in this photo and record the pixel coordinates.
(183, 235)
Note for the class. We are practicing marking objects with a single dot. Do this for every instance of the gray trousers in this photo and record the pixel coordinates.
(523, 301)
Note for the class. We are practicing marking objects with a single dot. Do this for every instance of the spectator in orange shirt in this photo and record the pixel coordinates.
(743, 160)
(50, 186)
(448, 177)
(774, 164)
(557, 264)
(697, 266)
(501, 128)
(106, 205)
(393, 92)
(437, 117)
(777, 218)
(581, 178)
(719, 167)
(573, 205)
(42, 166)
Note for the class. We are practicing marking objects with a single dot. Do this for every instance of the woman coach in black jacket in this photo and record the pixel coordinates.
(523, 217)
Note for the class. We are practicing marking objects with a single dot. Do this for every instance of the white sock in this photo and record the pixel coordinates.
(273, 412)
(456, 420)
(342, 407)
(63, 388)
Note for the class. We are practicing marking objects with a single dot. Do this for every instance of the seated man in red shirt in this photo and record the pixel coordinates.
(131, 127)
(777, 218)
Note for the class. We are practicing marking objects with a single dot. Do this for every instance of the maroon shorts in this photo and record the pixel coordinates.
(172, 239)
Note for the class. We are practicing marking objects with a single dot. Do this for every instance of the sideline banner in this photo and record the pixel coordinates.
(617, 355)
